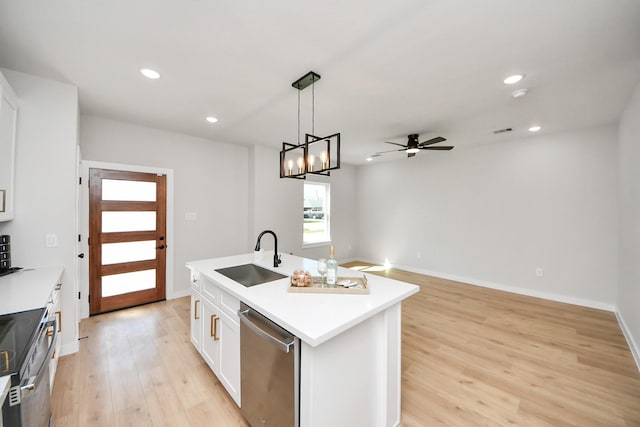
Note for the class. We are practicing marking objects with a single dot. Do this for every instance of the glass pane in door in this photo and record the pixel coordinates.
(123, 190)
(114, 221)
(114, 253)
(117, 284)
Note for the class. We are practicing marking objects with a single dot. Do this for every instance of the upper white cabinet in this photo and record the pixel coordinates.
(8, 122)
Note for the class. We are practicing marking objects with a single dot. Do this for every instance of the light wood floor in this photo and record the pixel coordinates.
(470, 357)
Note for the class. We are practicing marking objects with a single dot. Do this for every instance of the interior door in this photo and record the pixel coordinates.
(127, 229)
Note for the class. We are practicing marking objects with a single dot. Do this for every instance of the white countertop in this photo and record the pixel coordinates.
(314, 318)
(28, 288)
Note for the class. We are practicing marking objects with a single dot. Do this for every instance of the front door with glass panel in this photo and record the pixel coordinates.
(127, 223)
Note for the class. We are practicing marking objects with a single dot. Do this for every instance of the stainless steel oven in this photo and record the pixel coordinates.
(27, 341)
(270, 371)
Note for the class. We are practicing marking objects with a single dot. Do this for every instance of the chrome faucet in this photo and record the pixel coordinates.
(276, 257)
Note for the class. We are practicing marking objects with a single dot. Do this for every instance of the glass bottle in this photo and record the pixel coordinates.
(332, 269)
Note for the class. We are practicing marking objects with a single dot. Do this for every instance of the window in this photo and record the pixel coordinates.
(316, 213)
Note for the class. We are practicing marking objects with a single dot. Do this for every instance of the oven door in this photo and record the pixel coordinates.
(29, 400)
(35, 394)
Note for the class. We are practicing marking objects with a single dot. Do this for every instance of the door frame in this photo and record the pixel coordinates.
(83, 215)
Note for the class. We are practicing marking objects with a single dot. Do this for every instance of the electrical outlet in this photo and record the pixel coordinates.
(539, 272)
(418, 254)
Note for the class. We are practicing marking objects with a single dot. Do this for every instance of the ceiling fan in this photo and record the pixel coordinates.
(413, 146)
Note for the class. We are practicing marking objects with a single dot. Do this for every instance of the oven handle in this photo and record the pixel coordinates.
(33, 381)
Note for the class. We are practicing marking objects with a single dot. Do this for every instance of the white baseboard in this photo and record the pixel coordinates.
(500, 287)
(69, 348)
(179, 293)
(627, 334)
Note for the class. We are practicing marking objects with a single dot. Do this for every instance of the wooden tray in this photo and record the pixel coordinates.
(316, 287)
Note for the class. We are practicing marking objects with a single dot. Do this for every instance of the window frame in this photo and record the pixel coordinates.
(326, 241)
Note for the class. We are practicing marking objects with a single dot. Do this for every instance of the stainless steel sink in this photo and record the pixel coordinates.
(250, 274)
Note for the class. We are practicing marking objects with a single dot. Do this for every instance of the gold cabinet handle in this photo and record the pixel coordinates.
(59, 314)
(214, 327)
(196, 316)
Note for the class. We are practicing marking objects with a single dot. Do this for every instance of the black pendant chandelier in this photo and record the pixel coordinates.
(318, 155)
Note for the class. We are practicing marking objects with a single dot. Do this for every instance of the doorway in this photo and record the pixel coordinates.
(127, 238)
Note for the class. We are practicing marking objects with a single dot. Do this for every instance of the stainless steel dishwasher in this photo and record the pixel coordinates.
(270, 371)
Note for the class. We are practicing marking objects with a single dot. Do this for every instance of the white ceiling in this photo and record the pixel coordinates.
(388, 67)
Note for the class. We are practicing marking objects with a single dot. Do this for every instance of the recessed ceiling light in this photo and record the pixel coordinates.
(535, 128)
(518, 93)
(150, 74)
(212, 119)
(369, 159)
(513, 79)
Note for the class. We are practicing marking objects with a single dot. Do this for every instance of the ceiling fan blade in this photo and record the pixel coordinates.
(411, 154)
(432, 141)
(390, 151)
(444, 147)
(395, 143)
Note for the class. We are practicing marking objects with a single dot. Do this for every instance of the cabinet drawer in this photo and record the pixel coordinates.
(209, 289)
(195, 280)
(229, 304)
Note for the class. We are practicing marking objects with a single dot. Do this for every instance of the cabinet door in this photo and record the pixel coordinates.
(56, 310)
(211, 335)
(196, 320)
(8, 121)
(229, 374)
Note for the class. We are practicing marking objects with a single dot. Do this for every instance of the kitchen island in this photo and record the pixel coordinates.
(350, 360)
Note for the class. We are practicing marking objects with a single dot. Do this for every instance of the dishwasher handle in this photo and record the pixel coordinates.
(243, 314)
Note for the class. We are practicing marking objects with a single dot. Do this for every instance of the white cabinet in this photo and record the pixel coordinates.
(215, 332)
(55, 310)
(210, 336)
(196, 319)
(8, 122)
(229, 375)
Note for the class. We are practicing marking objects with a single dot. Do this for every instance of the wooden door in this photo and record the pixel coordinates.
(127, 229)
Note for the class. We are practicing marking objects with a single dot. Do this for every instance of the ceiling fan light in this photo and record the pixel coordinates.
(413, 150)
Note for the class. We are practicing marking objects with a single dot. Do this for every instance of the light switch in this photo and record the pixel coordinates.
(190, 216)
(52, 240)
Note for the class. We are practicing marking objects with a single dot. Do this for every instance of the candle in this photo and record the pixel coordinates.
(325, 162)
(312, 160)
(290, 167)
(300, 165)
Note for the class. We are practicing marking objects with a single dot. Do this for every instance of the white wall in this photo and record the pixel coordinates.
(45, 184)
(493, 214)
(276, 204)
(235, 190)
(629, 161)
(210, 179)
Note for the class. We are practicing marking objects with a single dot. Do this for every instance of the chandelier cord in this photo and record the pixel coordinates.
(298, 117)
(313, 108)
